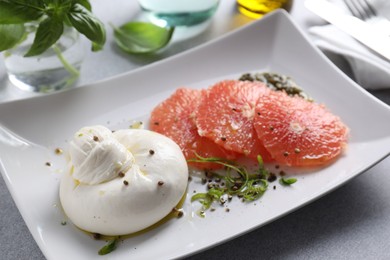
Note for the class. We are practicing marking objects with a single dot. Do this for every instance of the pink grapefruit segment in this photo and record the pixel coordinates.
(225, 116)
(297, 132)
(174, 118)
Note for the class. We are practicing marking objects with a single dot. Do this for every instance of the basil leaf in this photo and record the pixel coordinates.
(32, 3)
(10, 34)
(48, 33)
(85, 3)
(86, 23)
(141, 37)
(12, 13)
(57, 8)
(67, 22)
(111, 246)
(96, 47)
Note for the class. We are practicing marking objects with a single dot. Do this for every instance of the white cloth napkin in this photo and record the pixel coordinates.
(369, 70)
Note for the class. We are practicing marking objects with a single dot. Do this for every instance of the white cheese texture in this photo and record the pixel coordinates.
(122, 182)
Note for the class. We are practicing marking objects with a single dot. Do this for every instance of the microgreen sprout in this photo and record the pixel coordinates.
(109, 247)
(288, 181)
(236, 181)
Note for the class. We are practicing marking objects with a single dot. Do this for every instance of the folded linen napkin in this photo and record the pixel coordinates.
(369, 69)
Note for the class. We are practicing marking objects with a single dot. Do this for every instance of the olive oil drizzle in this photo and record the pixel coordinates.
(112, 241)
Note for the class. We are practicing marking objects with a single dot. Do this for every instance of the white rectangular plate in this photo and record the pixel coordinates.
(31, 129)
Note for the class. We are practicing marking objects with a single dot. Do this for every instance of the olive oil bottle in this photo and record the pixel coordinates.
(257, 8)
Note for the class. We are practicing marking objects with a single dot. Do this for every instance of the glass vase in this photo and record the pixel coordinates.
(55, 69)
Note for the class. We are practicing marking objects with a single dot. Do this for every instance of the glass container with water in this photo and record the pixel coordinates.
(179, 12)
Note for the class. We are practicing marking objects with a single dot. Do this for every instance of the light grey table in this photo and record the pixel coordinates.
(352, 222)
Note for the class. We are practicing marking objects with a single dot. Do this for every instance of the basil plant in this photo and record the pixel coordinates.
(51, 16)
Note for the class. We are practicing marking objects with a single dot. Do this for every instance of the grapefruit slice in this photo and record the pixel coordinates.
(297, 132)
(225, 116)
(174, 118)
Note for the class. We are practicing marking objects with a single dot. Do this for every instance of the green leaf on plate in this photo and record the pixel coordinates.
(48, 32)
(142, 37)
(10, 35)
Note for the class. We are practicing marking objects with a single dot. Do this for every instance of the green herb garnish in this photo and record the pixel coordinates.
(51, 16)
(237, 181)
(288, 181)
(111, 246)
(277, 82)
(142, 37)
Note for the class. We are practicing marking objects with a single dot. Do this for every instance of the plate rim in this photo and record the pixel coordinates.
(280, 13)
